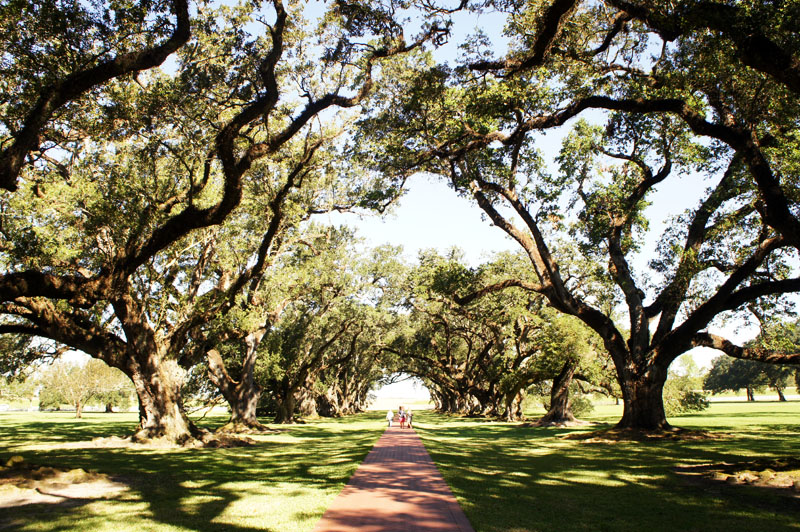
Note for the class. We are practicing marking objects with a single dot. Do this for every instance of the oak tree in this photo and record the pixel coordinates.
(662, 96)
(104, 249)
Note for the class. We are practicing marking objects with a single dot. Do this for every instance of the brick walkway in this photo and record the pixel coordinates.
(396, 489)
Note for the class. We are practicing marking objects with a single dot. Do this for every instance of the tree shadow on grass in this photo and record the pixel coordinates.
(516, 478)
(209, 489)
(63, 430)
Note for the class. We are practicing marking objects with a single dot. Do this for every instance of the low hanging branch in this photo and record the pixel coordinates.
(496, 287)
(57, 95)
(760, 354)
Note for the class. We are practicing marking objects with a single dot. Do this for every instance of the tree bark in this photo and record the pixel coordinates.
(306, 404)
(285, 409)
(643, 402)
(451, 404)
(161, 411)
(243, 405)
(334, 403)
(560, 407)
(79, 409)
(242, 395)
(513, 407)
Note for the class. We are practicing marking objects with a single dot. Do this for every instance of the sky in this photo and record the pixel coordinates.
(404, 391)
(431, 215)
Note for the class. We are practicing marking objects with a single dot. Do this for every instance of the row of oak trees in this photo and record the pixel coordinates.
(160, 160)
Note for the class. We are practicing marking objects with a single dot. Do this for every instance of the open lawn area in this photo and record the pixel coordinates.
(507, 477)
(513, 478)
(282, 483)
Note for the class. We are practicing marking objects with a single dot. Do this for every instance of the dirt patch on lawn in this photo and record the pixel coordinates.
(781, 474)
(23, 483)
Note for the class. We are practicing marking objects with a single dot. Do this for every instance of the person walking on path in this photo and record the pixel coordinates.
(396, 489)
(389, 417)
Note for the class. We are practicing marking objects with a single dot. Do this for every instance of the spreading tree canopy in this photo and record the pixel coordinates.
(147, 200)
(660, 91)
(109, 245)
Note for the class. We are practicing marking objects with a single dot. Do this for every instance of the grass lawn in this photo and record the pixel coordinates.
(507, 477)
(284, 483)
(513, 478)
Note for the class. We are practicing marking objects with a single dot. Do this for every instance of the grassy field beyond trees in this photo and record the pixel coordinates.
(507, 477)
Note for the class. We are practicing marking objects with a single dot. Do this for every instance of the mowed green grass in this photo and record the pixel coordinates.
(283, 483)
(513, 478)
(506, 477)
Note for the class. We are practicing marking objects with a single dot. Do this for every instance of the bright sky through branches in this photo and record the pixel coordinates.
(432, 215)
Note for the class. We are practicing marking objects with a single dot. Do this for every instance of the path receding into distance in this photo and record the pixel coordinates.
(396, 489)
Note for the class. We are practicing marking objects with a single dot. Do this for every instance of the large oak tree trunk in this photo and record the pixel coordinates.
(485, 402)
(285, 401)
(242, 395)
(494, 407)
(451, 404)
(306, 404)
(243, 410)
(285, 409)
(334, 402)
(447, 402)
(351, 397)
(560, 409)
(161, 411)
(513, 407)
(643, 402)
(156, 378)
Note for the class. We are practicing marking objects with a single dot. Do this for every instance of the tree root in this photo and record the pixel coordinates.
(768, 473)
(568, 422)
(238, 427)
(197, 438)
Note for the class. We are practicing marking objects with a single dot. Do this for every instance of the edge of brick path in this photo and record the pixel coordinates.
(397, 488)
